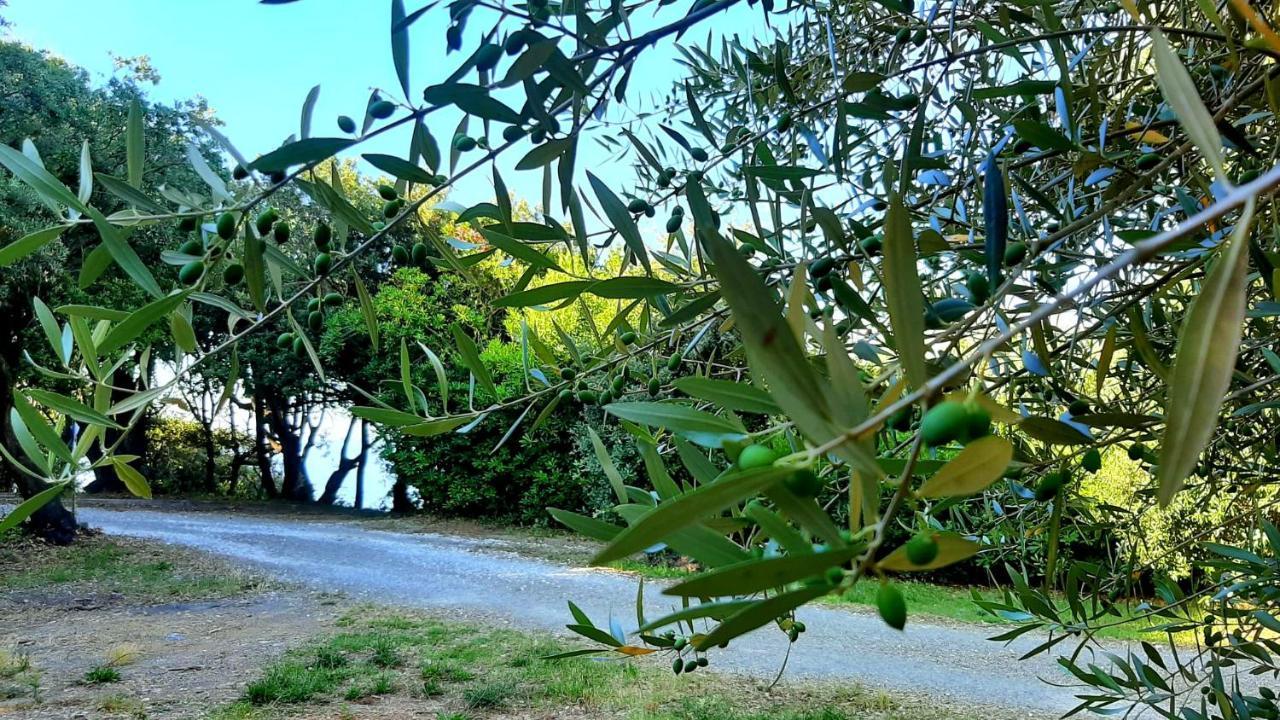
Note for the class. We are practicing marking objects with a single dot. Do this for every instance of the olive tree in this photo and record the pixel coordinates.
(920, 268)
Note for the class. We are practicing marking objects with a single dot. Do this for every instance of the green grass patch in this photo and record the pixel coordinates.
(101, 674)
(450, 670)
(118, 566)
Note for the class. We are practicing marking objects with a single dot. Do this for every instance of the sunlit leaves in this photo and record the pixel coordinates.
(1180, 91)
(1205, 361)
(981, 463)
(952, 548)
(687, 509)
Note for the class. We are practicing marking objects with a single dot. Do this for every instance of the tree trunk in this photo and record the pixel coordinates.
(358, 502)
(345, 466)
(400, 502)
(294, 485)
(260, 449)
(210, 460)
(53, 523)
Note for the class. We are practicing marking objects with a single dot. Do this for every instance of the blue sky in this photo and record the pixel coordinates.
(255, 63)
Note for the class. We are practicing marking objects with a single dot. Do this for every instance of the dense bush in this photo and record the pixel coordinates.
(179, 454)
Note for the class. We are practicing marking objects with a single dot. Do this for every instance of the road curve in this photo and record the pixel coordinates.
(956, 665)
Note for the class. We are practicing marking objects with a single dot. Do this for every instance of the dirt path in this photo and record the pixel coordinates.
(446, 573)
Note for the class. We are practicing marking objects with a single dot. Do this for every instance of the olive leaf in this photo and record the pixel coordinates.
(1205, 361)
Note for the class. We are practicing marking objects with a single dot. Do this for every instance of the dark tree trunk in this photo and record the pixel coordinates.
(53, 523)
(400, 502)
(358, 502)
(260, 448)
(295, 485)
(345, 466)
(210, 458)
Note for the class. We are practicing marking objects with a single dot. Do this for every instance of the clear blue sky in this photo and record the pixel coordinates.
(255, 63)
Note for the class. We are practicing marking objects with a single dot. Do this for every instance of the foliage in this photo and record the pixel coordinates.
(921, 262)
(179, 453)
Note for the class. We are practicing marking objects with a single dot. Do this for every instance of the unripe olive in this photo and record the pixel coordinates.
(323, 237)
(1015, 253)
(673, 362)
(322, 263)
(673, 224)
(1137, 451)
(233, 274)
(299, 347)
(191, 247)
(315, 321)
(464, 143)
(1050, 484)
(400, 255)
(979, 424)
(386, 192)
(822, 267)
(978, 287)
(677, 666)
(1091, 461)
(803, 483)
(333, 299)
(284, 340)
(487, 56)
(944, 422)
(754, 456)
(346, 124)
(627, 338)
(892, 606)
(637, 205)
(191, 272)
(226, 225)
(690, 666)
(419, 254)
(281, 232)
(382, 109)
(586, 397)
(1148, 161)
(922, 549)
(1078, 407)
(568, 373)
(654, 387)
(265, 220)
(313, 304)
(698, 154)
(871, 245)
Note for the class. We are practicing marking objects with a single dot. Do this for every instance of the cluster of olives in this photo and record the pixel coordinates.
(379, 109)
(680, 663)
(954, 420)
(613, 387)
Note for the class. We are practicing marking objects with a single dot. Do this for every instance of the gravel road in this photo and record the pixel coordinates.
(955, 665)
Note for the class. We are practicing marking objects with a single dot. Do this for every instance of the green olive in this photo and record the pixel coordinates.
(755, 456)
(892, 606)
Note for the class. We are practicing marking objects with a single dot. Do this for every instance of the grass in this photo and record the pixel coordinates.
(18, 677)
(101, 675)
(946, 602)
(453, 671)
(130, 569)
